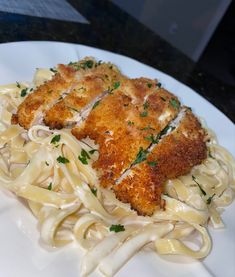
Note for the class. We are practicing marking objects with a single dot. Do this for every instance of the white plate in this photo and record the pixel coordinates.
(20, 252)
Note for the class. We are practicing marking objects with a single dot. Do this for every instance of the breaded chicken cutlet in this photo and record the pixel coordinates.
(144, 135)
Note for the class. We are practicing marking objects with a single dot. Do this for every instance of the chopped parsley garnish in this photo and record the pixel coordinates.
(174, 103)
(144, 114)
(87, 64)
(53, 70)
(98, 63)
(141, 156)
(50, 186)
(62, 160)
(152, 139)
(55, 139)
(152, 163)
(83, 65)
(116, 85)
(18, 84)
(116, 228)
(159, 84)
(23, 92)
(149, 85)
(84, 157)
(208, 201)
(201, 189)
(96, 104)
(47, 164)
(147, 128)
(146, 105)
(94, 191)
(163, 99)
(130, 122)
(93, 151)
(166, 129)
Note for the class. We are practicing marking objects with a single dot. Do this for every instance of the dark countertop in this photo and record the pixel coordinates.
(112, 29)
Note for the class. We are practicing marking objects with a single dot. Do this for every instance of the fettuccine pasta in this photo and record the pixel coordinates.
(42, 167)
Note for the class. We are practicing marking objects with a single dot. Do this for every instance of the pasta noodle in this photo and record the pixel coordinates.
(65, 196)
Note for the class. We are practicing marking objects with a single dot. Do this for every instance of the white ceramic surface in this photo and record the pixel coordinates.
(20, 251)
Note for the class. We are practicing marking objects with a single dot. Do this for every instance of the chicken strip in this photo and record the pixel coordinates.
(175, 155)
(66, 80)
(93, 87)
(124, 121)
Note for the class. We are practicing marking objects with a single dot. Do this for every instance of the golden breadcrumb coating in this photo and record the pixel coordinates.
(123, 122)
(65, 112)
(174, 156)
(127, 118)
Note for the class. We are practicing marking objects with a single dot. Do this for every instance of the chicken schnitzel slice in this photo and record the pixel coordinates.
(173, 156)
(66, 80)
(91, 88)
(124, 121)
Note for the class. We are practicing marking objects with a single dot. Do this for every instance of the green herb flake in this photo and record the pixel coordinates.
(18, 84)
(62, 160)
(53, 70)
(174, 103)
(84, 157)
(50, 186)
(23, 92)
(72, 63)
(146, 105)
(166, 129)
(130, 122)
(116, 228)
(201, 189)
(87, 64)
(208, 201)
(141, 156)
(93, 151)
(159, 84)
(144, 114)
(96, 104)
(152, 163)
(147, 128)
(55, 139)
(116, 85)
(47, 164)
(94, 191)
(152, 139)
(149, 85)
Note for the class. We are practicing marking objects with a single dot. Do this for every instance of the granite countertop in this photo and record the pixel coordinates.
(112, 29)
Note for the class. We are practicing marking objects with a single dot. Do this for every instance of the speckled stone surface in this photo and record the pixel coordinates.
(112, 29)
